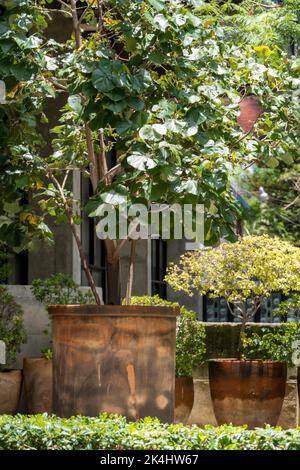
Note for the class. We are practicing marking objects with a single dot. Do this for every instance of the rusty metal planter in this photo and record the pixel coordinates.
(10, 390)
(114, 359)
(247, 392)
(184, 399)
(38, 384)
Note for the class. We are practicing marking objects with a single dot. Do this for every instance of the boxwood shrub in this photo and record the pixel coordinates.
(42, 432)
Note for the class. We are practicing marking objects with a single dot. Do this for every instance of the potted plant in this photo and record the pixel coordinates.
(58, 289)
(244, 390)
(290, 309)
(13, 335)
(190, 352)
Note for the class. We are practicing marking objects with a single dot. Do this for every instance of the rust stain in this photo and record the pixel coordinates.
(131, 378)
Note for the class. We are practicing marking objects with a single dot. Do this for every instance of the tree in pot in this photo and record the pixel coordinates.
(190, 353)
(244, 391)
(290, 308)
(157, 84)
(13, 335)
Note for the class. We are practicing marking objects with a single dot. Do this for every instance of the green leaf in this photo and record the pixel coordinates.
(160, 129)
(123, 126)
(287, 158)
(147, 133)
(130, 44)
(115, 196)
(74, 102)
(190, 187)
(117, 107)
(272, 162)
(192, 131)
(141, 162)
(157, 4)
(102, 78)
(161, 21)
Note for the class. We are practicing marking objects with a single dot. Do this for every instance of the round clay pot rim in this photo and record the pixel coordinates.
(38, 358)
(184, 377)
(113, 311)
(247, 361)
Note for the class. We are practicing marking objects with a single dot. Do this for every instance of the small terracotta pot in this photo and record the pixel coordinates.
(250, 111)
(10, 390)
(247, 392)
(38, 384)
(184, 399)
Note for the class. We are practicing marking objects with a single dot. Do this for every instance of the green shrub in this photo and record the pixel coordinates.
(4, 266)
(190, 335)
(42, 432)
(12, 330)
(271, 343)
(60, 289)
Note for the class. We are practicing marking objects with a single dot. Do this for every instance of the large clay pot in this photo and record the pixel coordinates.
(247, 392)
(115, 359)
(38, 384)
(10, 390)
(184, 399)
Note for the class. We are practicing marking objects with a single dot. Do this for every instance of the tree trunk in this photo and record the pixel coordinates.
(130, 272)
(98, 170)
(242, 331)
(113, 283)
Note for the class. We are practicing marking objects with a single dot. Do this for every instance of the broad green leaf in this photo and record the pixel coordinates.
(74, 102)
(147, 133)
(141, 162)
(157, 4)
(160, 129)
(162, 21)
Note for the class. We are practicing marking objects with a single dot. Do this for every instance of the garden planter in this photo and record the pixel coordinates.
(38, 384)
(247, 392)
(10, 390)
(184, 399)
(114, 359)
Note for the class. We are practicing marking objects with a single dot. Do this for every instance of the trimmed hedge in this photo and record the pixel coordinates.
(42, 432)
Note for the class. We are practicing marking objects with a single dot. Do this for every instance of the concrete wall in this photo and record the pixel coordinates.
(36, 321)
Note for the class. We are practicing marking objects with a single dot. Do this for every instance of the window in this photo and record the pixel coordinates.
(93, 247)
(216, 310)
(158, 267)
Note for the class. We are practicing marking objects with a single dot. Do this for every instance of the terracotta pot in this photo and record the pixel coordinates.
(38, 384)
(247, 392)
(250, 111)
(10, 390)
(184, 399)
(115, 359)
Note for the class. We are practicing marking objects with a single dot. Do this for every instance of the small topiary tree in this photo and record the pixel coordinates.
(245, 273)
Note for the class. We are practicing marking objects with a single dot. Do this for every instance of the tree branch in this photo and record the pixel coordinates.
(70, 217)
